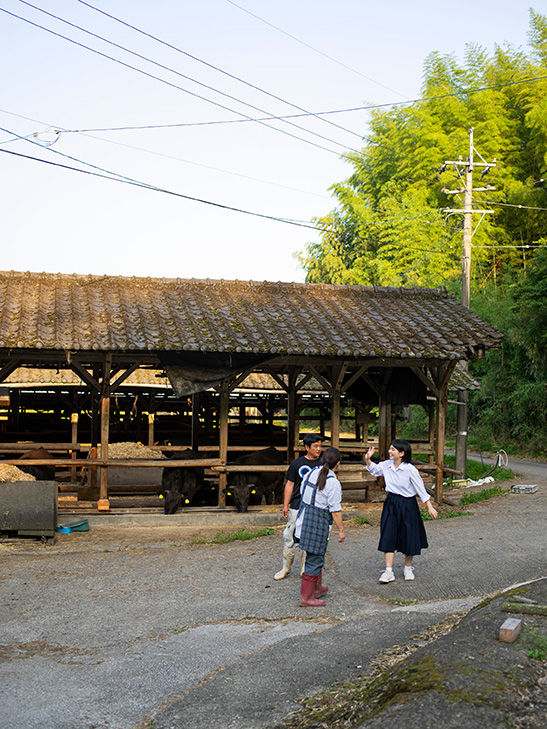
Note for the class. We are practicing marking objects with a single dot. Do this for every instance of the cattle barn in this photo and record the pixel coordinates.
(187, 361)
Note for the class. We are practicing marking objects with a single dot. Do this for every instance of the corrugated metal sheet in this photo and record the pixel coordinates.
(73, 312)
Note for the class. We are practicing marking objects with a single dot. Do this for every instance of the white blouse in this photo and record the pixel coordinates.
(405, 480)
(329, 498)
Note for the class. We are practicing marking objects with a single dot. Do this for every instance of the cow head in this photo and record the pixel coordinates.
(241, 488)
(178, 487)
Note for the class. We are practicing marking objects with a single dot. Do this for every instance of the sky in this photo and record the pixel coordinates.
(198, 82)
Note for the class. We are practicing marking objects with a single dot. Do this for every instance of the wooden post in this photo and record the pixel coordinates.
(270, 414)
(321, 420)
(74, 442)
(194, 434)
(439, 443)
(103, 503)
(384, 428)
(241, 419)
(291, 416)
(150, 429)
(93, 470)
(431, 431)
(335, 418)
(223, 411)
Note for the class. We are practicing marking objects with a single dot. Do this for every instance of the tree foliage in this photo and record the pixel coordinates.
(389, 227)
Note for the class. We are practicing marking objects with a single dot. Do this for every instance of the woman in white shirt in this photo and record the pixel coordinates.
(401, 526)
(320, 505)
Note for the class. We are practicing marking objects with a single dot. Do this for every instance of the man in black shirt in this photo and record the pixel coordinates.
(291, 498)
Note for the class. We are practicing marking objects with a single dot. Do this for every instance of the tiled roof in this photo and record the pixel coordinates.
(37, 377)
(74, 312)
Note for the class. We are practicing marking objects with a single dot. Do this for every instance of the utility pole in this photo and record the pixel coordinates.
(467, 211)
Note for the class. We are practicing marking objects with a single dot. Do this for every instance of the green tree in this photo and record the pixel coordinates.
(388, 228)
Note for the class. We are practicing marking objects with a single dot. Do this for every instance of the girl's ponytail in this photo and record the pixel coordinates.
(331, 458)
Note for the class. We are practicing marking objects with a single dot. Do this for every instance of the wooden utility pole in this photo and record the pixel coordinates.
(467, 211)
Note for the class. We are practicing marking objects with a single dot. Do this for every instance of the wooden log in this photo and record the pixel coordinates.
(516, 607)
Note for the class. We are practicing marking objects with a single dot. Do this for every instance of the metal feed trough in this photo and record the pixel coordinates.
(29, 508)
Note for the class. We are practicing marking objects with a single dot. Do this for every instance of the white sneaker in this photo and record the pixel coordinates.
(387, 576)
(409, 573)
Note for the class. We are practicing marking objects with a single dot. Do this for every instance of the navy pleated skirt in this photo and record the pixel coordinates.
(402, 527)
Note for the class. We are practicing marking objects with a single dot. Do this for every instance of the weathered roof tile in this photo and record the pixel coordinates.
(48, 311)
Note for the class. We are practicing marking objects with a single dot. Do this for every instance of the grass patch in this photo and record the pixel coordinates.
(482, 495)
(445, 514)
(362, 520)
(535, 645)
(475, 469)
(240, 535)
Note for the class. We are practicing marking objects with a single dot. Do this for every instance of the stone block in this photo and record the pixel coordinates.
(524, 488)
(510, 630)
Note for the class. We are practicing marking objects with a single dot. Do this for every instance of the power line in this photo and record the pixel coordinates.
(511, 205)
(135, 183)
(177, 73)
(168, 83)
(55, 130)
(370, 107)
(116, 177)
(215, 68)
(313, 48)
(526, 245)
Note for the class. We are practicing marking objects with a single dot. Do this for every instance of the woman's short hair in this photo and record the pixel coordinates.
(404, 447)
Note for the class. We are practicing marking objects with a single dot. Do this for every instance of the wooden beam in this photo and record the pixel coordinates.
(354, 378)
(322, 381)
(426, 380)
(371, 384)
(125, 375)
(275, 376)
(118, 462)
(8, 368)
(87, 377)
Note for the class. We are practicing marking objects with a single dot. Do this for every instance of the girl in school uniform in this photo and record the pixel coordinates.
(401, 526)
(320, 505)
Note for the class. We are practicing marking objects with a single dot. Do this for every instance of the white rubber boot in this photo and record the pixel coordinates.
(302, 561)
(288, 559)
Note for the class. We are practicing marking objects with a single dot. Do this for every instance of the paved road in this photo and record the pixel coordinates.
(118, 629)
(519, 466)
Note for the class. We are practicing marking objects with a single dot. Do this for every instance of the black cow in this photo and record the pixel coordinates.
(206, 495)
(40, 473)
(248, 487)
(178, 485)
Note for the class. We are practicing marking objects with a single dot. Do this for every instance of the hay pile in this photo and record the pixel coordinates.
(12, 473)
(132, 450)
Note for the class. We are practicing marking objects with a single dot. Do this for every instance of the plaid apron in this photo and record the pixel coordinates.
(316, 522)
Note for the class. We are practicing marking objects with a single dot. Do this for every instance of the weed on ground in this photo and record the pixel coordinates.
(241, 535)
